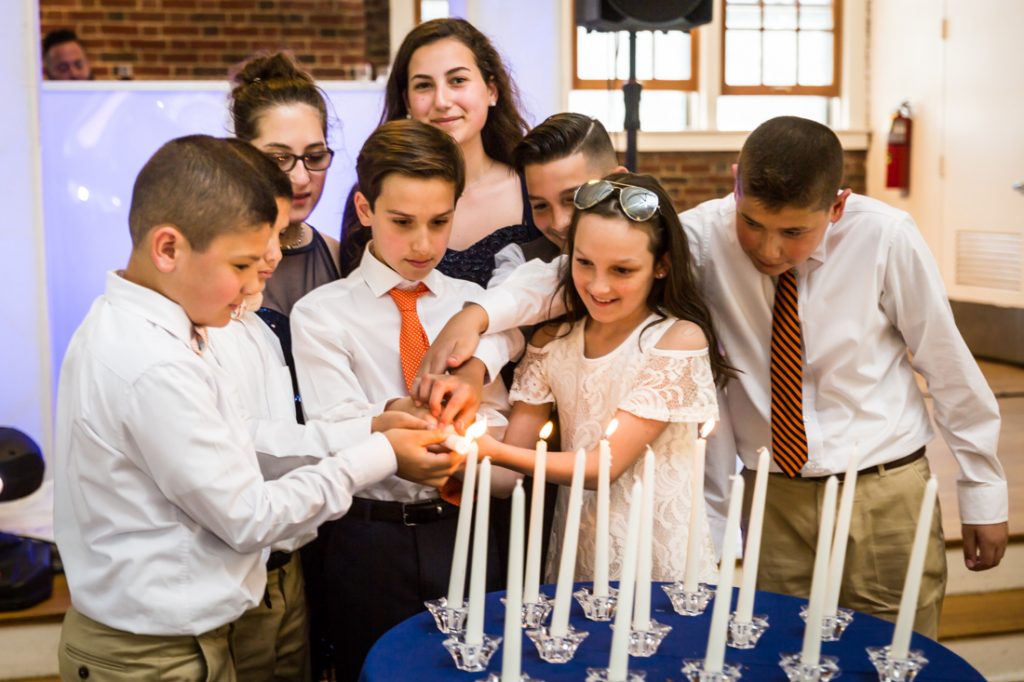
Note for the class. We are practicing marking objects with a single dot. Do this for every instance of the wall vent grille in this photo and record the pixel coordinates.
(989, 259)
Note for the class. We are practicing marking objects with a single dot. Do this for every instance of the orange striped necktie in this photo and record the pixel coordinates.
(789, 438)
(412, 339)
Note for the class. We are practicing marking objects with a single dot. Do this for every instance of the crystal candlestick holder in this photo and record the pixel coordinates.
(602, 675)
(535, 613)
(597, 608)
(687, 603)
(694, 670)
(832, 627)
(745, 635)
(645, 643)
(896, 669)
(496, 677)
(798, 671)
(556, 648)
(449, 620)
(471, 658)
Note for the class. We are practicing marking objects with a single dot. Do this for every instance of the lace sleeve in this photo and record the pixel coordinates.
(673, 386)
(530, 384)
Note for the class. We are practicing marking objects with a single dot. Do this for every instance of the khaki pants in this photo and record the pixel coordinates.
(885, 511)
(272, 642)
(93, 651)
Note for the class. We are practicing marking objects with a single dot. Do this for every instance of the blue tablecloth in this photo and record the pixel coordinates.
(412, 650)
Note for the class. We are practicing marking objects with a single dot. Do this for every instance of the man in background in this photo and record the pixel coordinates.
(64, 57)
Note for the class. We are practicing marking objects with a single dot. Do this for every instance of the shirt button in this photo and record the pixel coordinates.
(83, 672)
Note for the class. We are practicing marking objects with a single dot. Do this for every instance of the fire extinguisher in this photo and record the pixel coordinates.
(897, 157)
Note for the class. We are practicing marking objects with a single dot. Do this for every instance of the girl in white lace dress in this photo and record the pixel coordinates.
(634, 345)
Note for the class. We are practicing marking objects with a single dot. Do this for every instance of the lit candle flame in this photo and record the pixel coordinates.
(612, 425)
(545, 431)
(708, 427)
(478, 429)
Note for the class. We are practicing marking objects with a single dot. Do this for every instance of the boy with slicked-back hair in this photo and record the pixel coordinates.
(161, 514)
(356, 343)
(560, 154)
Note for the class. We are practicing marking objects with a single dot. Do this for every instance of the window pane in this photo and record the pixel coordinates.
(780, 17)
(672, 55)
(743, 57)
(660, 110)
(594, 55)
(644, 55)
(742, 17)
(816, 2)
(433, 9)
(815, 58)
(779, 58)
(816, 18)
(780, 2)
(746, 112)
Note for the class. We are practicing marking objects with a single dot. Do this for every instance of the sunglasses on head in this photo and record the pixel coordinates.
(638, 203)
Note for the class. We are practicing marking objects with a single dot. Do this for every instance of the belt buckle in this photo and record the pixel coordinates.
(417, 506)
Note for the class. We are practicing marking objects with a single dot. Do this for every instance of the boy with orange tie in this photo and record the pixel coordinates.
(357, 345)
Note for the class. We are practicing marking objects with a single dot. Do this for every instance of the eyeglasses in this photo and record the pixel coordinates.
(638, 203)
(312, 161)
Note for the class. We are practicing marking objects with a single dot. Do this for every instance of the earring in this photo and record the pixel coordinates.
(493, 104)
(408, 115)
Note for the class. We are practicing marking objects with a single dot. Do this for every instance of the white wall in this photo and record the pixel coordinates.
(24, 364)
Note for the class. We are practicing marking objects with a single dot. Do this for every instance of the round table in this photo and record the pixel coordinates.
(413, 650)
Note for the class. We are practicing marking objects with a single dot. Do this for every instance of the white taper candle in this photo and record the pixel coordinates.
(714, 658)
(752, 552)
(912, 583)
(642, 601)
(531, 586)
(618, 660)
(478, 578)
(842, 536)
(567, 563)
(811, 652)
(511, 655)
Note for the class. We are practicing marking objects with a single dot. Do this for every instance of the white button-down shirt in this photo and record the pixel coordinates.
(345, 339)
(250, 353)
(161, 513)
(867, 295)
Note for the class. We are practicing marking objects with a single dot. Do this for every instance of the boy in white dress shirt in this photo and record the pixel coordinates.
(161, 513)
(870, 309)
(355, 355)
(271, 640)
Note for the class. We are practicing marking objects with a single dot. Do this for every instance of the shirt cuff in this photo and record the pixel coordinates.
(983, 503)
(370, 461)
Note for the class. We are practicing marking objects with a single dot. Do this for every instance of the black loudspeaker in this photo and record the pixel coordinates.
(642, 15)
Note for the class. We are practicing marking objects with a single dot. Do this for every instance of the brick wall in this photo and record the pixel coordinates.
(202, 39)
(693, 177)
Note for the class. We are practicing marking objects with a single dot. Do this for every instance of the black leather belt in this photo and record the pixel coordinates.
(876, 469)
(278, 559)
(409, 514)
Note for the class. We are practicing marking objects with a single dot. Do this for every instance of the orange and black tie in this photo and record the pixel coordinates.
(789, 438)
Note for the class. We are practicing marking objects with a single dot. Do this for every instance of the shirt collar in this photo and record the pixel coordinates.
(381, 279)
(150, 305)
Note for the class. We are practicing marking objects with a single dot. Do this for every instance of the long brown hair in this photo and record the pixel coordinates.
(505, 126)
(677, 294)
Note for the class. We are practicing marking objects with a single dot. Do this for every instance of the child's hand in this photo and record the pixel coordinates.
(453, 346)
(394, 418)
(454, 398)
(488, 447)
(416, 463)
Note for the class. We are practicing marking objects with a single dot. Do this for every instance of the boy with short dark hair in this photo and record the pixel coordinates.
(161, 513)
(562, 153)
(64, 58)
(826, 303)
(357, 344)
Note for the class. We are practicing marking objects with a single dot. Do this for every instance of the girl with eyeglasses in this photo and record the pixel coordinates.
(636, 344)
(277, 107)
